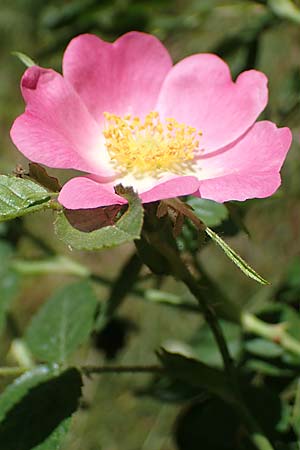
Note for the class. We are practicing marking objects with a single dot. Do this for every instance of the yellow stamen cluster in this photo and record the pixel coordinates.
(150, 146)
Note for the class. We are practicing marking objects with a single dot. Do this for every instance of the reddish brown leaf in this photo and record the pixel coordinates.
(92, 219)
(39, 174)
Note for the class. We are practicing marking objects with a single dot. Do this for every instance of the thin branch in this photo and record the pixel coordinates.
(91, 370)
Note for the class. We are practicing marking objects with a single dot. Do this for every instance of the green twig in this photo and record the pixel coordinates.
(273, 332)
(54, 264)
(91, 370)
(12, 371)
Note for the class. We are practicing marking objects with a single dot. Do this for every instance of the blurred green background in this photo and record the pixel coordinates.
(117, 411)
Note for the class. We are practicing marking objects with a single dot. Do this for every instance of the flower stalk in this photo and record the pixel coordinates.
(158, 234)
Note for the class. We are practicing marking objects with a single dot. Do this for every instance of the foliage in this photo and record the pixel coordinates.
(124, 230)
(59, 328)
(19, 197)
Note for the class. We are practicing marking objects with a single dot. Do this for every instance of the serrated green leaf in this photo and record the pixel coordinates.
(55, 440)
(126, 229)
(19, 196)
(210, 212)
(26, 60)
(196, 374)
(36, 405)
(235, 258)
(63, 323)
(22, 385)
(266, 406)
(199, 421)
(216, 424)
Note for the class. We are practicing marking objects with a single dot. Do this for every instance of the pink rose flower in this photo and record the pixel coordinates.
(122, 113)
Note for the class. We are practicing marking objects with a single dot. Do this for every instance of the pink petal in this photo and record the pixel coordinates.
(172, 188)
(199, 91)
(248, 168)
(56, 129)
(123, 77)
(83, 193)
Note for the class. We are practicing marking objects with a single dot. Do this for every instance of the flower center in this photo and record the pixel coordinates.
(150, 146)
